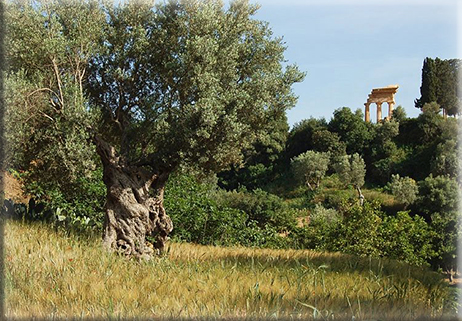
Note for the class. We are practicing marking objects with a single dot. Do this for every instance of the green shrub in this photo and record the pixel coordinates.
(80, 206)
(406, 238)
(404, 189)
(197, 217)
(310, 168)
(358, 233)
(262, 207)
(320, 215)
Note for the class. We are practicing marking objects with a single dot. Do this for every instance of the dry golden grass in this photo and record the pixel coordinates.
(53, 274)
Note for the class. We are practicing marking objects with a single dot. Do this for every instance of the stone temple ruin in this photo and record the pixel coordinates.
(379, 96)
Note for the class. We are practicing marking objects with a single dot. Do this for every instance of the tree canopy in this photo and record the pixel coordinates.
(189, 82)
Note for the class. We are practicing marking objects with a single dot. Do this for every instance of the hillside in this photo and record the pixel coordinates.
(51, 273)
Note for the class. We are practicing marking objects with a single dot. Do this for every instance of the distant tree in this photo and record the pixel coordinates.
(438, 204)
(430, 83)
(300, 137)
(440, 84)
(383, 153)
(448, 92)
(328, 142)
(438, 194)
(262, 160)
(405, 189)
(352, 129)
(352, 170)
(419, 139)
(431, 108)
(429, 125)
(445, 161)
(399, 114)
(310, 167)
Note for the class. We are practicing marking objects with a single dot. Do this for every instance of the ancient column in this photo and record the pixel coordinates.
(367, 113)
(390, 109)
(379, 112)
(379, 96)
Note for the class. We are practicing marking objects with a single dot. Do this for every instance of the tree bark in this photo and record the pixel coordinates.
(132, 212)
(360, 195)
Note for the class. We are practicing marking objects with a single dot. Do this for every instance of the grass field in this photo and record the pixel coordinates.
(53, 274)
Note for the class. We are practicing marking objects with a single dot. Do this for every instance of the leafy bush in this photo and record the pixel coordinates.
(437, 195)
(310, 167)
(320, 233)
(79, 206)
(406, 238)
(404, 189)
(446, 229)
(321, 214)
(359, 231)
(262, 207)
(197, 217)
(366, 231)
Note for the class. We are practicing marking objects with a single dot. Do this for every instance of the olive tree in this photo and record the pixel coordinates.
(48, 48)
(352, 170)
(311, 167)
(405, 189)
(182, 83)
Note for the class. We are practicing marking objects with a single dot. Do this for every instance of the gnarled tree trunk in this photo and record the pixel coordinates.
(132, 213)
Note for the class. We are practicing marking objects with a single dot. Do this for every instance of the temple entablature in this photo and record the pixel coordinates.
(379, 96)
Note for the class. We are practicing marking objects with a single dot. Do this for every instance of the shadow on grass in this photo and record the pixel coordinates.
(36, 213)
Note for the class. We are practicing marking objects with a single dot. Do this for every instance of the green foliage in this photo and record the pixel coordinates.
(440, 84)
(300, 138)
(198, 217)
(384, 153)
(406, 238)
(399, 114)
(429, 87)
(352, 129)
(261, 207)
(445, 161)
(189, 83)
(431, 108)
(425, 142)
(351, 169)
(405, 189)
(359, 231)
(81, 208)
(250, 177)
(49, 46)
(367, 231)
(310, 168)
(205, 216)
(446, 229)
(329, 142)
(437, 195)
(262, 161)
(321, 215)
(437, 203)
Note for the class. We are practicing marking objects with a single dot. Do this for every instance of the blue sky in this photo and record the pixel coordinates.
(349, 47)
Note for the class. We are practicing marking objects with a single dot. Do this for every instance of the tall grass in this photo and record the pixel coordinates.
(54, 274)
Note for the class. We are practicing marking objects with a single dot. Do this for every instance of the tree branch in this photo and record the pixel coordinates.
(58, 79)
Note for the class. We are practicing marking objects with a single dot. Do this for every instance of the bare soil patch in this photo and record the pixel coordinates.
(12, 188)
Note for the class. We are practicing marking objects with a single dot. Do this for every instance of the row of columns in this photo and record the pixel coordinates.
(379, 111)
